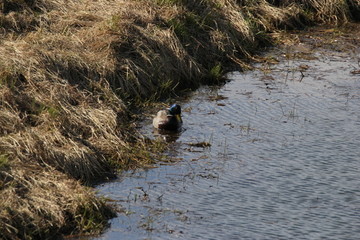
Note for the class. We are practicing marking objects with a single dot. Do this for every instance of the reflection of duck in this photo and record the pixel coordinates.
(169, 119)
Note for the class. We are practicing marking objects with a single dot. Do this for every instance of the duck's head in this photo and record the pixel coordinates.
(175, 110)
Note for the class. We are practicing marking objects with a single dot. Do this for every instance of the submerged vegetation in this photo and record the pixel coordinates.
(72, 72)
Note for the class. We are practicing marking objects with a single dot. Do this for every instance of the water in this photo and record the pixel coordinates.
(284, 161)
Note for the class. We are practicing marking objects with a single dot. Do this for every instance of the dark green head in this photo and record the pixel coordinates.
(175, 109)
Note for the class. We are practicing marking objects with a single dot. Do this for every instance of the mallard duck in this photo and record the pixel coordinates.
(169, 119)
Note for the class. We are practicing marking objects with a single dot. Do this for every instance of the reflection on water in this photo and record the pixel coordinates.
(283, 160)
(167, 136)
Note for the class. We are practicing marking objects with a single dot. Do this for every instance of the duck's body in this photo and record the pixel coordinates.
(169, 119)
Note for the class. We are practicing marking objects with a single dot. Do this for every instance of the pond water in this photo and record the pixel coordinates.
(284, 160)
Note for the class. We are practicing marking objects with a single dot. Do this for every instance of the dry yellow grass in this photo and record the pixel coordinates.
(71, 71)
(38, 202)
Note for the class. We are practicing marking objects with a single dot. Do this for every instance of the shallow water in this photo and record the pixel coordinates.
(284, 160)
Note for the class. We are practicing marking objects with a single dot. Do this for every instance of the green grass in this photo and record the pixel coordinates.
(216, 72)
(4, 162)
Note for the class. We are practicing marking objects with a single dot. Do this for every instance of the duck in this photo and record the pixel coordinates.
(169, 119)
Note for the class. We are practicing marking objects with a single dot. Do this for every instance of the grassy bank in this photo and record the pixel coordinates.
(73, 74)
